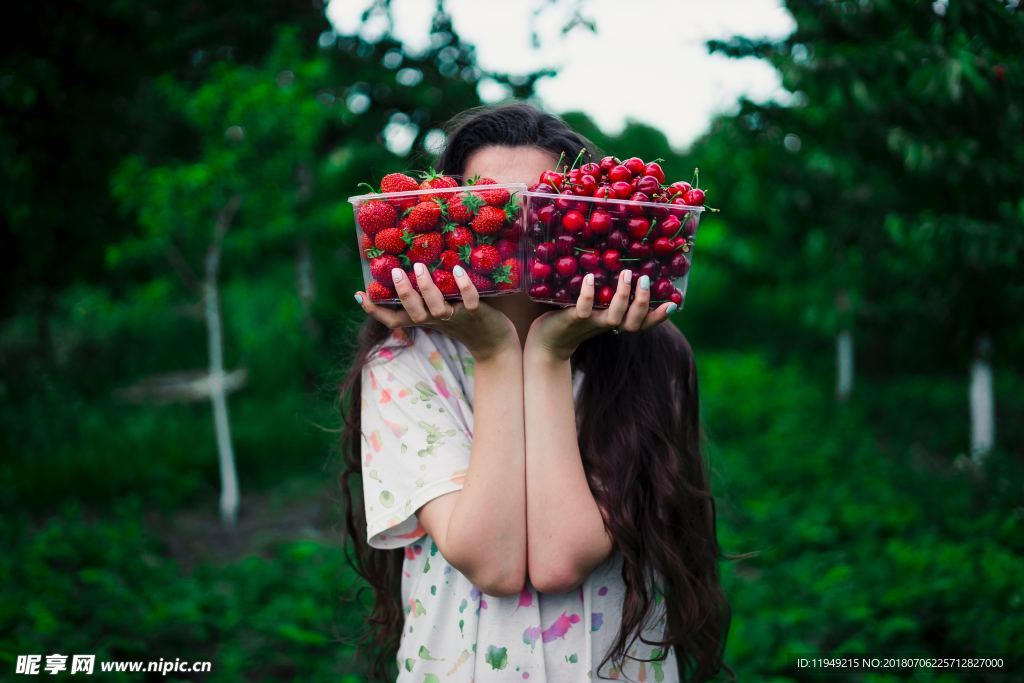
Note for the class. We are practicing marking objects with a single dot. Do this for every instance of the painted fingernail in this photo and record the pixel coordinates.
(645, 282)
(419, 268)
(627, 276)
(589, 278)
(672, 308)
(359, 299)
(396, 274)
(459, 271)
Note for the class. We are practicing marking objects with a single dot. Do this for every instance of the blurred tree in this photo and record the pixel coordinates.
(905, 191)
(75, 97)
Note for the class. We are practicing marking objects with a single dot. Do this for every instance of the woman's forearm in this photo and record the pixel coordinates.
(566, 537)
(486, 533)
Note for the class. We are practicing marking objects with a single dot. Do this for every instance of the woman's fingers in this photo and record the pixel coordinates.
(658, 315)
(432, 296)
(620, 301)
(388, 317)
(637, 313)
(585, 302)
(470, 295)
(411, 300)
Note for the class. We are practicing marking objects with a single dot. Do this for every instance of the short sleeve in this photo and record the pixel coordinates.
(416, 436)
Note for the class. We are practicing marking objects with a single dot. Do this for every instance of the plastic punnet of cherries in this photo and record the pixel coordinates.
(440, 223)
(604, 217)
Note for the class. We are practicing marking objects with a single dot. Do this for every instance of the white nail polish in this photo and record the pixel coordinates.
(418, 267)
(627, 276)
(589, 278)
(396, 274)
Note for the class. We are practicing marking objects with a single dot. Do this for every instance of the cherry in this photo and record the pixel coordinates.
(619, 173)
(561, 295)
(540, 271)
(552, 178)
(605, 294)
(564, 245)
(546, 214)
(545, 251)
(633, 209)
(618, 240)
(564, 203)
(573, 221)
(600, 221)
(591, 168)
(541, 291)
(635, 165)
(622, 189)
(677, 297)
(680, 187)
(588, 184)
(610, 259)
(600, 280)
(640, 249)
(541, 188)
(669, 225)
(654, 169)
(691, 226)
(649, 268)
(695, 197)
(566, 266)
(638, 227)
(679, 265)
(662, 246)
(590, 261)
(608, 163)
(662, 288)
(537, 232)
(575, 284)
(604, 192)
(648, 185)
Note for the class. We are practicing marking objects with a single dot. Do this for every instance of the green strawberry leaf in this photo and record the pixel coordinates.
(405, 260)
(485, 239)
(502, 273)
(464, 252)
(448, 227)
(374, 252)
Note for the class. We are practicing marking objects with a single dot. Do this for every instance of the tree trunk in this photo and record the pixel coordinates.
(218, 393)
(844, 349)
(983, 402)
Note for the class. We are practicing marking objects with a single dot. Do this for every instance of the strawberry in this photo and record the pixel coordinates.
(424, 216)
(445, 281)
(489, 220)
(425, 248)
(506, 247)
(365, 242)
(448, 259)
(481, 282)
(496, 197)
(484, 258)
(391, 240)
(380, 267)
(379, 291)
(506, 276)
(434, 180)
(398, 182)
(458, 237)
(376, 215)
(461, 208)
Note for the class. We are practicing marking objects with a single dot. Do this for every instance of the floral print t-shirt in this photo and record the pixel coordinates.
(417, 424)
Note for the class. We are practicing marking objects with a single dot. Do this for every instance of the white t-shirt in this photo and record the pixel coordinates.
(417, 423)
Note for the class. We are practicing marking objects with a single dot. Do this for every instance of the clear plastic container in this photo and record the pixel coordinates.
(476, 226)
(568, 236)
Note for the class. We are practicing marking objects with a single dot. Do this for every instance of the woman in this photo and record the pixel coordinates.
(542, 475)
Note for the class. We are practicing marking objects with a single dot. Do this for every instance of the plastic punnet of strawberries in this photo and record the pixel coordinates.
(440, 223)
(604, 217)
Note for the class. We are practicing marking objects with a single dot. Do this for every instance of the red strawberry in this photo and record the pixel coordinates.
(376, 215)
(458, 237)
(424, 216)
(425, 248)
(391, 240)
(506, 276)
(484, 258)
(462, 207)
(380, 267)
(432, 180)
(481, 282)
(448, 259)
(365, 242)
(489, 220)
(398, 182)
(497, 197)
(445, 281)
(379, 291)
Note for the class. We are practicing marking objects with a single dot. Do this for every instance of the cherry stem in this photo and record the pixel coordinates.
(653, 223)
(589, 251)
(368, 186)
(578, 158)
(696, 177)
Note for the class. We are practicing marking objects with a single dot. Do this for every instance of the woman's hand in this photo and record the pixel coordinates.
(558, 333)
(484, 330)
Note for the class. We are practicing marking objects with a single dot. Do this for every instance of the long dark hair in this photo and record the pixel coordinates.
(639, 435)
